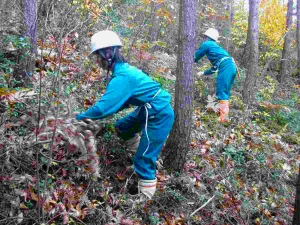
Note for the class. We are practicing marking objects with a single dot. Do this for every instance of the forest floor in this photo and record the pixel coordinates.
(240, 172)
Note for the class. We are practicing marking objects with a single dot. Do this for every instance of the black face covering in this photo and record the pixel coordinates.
(106, 59)
(108, 54)
(102, 63)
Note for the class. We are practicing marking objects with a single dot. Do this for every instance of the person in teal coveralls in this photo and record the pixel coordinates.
(153, 116)
(222, 64)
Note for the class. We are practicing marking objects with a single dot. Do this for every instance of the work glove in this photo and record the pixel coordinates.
(147, 189)
(200, 74)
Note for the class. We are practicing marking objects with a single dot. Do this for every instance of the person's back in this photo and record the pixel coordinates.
(212, 50)
(143, 89)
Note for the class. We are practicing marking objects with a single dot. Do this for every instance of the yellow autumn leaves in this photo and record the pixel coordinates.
(273, 21)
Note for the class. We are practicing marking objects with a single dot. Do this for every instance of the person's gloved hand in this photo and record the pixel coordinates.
(200, 74)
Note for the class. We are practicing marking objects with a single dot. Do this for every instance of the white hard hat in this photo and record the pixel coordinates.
(212, 33)
(104, 39)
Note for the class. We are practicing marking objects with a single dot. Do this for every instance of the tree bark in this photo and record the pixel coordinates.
(30, 20)
(287, 43)
(230, 19)
(177, 145)
(246, 54)
(30, 17)
(252, 68)
(154, 21)
(296, 217)
(298, 35)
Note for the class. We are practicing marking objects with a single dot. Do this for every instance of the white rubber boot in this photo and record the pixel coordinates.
(147, 189)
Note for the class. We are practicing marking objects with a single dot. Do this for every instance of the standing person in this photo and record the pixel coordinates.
(153, 116)
(222, 64)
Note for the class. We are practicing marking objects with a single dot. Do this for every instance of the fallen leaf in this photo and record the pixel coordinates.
(23, 206)
(34, 197)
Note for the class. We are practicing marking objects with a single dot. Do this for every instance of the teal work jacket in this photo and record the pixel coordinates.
(214, 53)
(128, 86)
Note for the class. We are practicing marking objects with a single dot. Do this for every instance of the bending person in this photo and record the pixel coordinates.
(222, 64)
(153, 116)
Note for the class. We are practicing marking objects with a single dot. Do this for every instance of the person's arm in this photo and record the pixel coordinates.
(117, 93)
(200, 52)
(209, 71)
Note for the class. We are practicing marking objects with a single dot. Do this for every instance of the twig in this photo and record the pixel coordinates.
(127, 180)
(79, 220)
(40, 142)
(197, 210)
(86, 191)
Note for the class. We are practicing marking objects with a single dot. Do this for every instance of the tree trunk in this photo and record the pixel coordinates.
(204, 5)
(30, 21)
(230, 19)
(246, 54)
(296, 217)
(30, 18)
(298, 36)
(177, 145)
(252, 68)
(287, 43)
(154, 21)
(200, 25)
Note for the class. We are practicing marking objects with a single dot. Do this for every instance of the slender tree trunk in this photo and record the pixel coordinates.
(30, 17)
(200, 27)
(154, 21)
(2, 14)
(30, 20)
(296, 217)
(204, 5)
(252, 69)
(177, 145)
(246, 54)
(298, 35)
(230, 19)
(287, 43)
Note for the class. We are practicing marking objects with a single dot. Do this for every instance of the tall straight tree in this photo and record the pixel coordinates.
(177, 145)
(252, 66)
(30, 20)
(296, 217)
(287, 43)
(246, 53)
(298, 36)
(155, 22)
(30, 17)
(230, 19)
